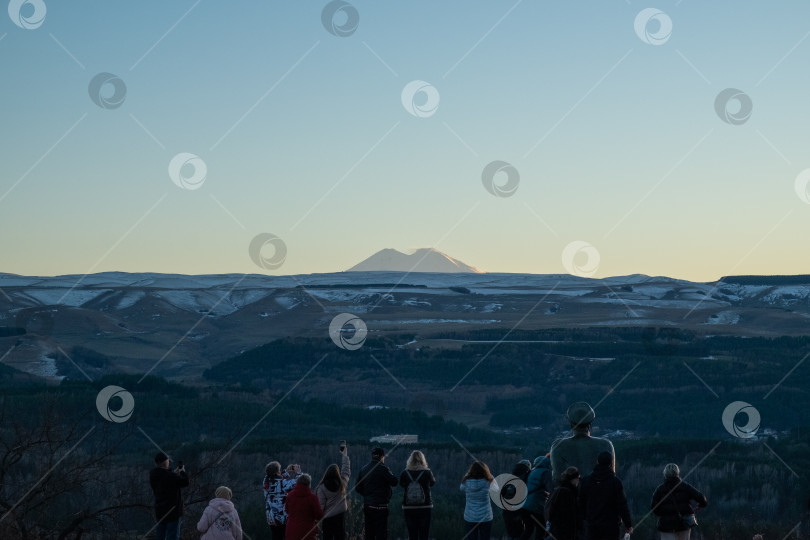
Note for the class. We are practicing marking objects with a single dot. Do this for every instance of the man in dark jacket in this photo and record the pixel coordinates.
(374, 483)
(602, 502)
(166, 486)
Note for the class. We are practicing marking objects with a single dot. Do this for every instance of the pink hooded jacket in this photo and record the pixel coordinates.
(220, 521)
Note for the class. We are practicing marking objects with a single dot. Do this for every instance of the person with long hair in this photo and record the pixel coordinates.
(476, 484)
(331, 494)
(416, 479)
(672, 503)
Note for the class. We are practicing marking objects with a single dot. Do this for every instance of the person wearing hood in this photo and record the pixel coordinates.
(477, 508)
(219, 520)
(331, 494)
(672, 501)
(303, 511)
(603, 503)
(416, 479)
(538, 487)
(562, 512)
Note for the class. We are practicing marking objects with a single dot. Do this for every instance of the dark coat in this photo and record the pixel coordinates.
(303, 513)
(539, 485)
(563, 512)
(374, 483)
(603, 503)
(166, 486)
(673, 499)
(426, 480)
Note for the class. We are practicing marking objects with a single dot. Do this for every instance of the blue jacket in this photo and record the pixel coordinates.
(477, 508)
(539, 485)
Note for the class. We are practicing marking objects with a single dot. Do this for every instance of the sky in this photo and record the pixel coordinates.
(614, 153)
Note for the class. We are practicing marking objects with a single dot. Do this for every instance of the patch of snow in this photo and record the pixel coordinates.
(336, 295)
(627, 322)
(74, 298)
(491, 308)
(45, 367)
(286, 301)
(653, 291)
(724, 317)
(437, 321)
(129, 299)
(415, 302)
(788, 295)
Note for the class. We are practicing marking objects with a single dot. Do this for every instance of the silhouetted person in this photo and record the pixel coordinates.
(374, 483)
(562, 507)
(579, 450)
(603, 503)
(672, 501)
(513, 518)
(166, 486)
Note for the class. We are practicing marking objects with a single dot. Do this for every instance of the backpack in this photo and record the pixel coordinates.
(414, 494)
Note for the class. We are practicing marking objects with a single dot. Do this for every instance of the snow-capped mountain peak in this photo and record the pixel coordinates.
(420, 260)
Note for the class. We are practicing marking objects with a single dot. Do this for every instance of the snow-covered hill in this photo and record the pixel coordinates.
(137, 318)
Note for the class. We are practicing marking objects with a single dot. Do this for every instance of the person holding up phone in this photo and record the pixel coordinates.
(166, 485)
(331, 494)
(276, 486)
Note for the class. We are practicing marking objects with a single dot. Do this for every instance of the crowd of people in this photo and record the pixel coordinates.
(570, 493)
(593, 507)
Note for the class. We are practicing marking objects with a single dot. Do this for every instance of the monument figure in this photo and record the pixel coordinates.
(579, 449)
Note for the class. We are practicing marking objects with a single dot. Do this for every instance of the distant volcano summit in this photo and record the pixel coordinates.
(421, 260)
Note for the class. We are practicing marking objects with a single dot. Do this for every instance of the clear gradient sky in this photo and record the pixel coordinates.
(305, 136)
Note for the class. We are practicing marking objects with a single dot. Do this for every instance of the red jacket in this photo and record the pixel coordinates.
(303, 511)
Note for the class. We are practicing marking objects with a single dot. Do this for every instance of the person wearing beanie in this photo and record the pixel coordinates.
(166, 486)
(375, 483)
(219, 520)
(602, 502)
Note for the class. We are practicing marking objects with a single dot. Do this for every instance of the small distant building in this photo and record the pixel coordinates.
(395, 439)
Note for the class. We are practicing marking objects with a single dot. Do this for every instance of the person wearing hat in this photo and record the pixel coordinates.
(580, 449)
(219, 520)
(375, 483)
(603, 503)
(166, 486)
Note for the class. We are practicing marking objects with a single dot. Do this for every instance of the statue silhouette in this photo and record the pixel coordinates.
(580, 449)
